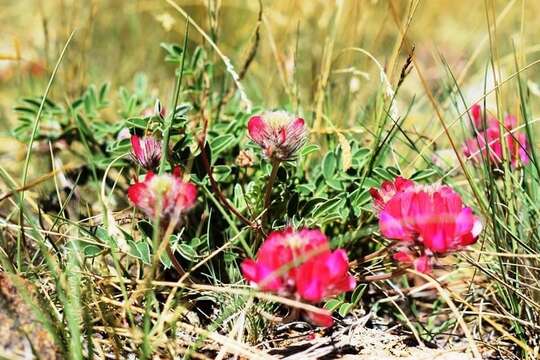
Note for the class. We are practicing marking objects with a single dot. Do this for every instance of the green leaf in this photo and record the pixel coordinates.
(344, 309)
(186, 251)
(141, 250)
(165, 260)
(333, 304)
(328, 206)
(91, 250)
(329, 165)
(311, 204)
(335, 184)
(174, 52)
(221, 172)
(357, 293)
(137, 122)
(393, 171)
(369, 183)
(308, 149)
(306, 189)
(360, 158)
(360, 197)
(423, 174)
(383, 173)
(221, 143)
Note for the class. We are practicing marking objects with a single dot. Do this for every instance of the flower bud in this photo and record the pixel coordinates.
(278, 133)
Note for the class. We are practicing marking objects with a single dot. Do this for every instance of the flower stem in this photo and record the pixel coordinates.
(179, 269)
(268, 192)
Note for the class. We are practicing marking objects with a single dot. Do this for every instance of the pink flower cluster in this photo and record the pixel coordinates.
(487, 144)
(166, 195)
(278, 133)
(300, 264)
(427, 221)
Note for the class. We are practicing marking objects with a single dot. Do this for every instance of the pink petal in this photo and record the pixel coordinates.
(436, 240)
(392, 227)
(477, 227)
(177, 172)
(377, 198)
(402, 183)
(476, 112)
(136, 146)
(297, 125)
(268, 278)
(135, 191)
(249, 270)
(510, 122)
(282, 135)
(403, 256)
(323, 319)
(189, 196)
(464, 221)
(310, 288)
(149, 175)
(337, 263)
(423, 264)
(258, 129)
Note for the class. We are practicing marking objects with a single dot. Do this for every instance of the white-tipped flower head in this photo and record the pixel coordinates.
(279, 134)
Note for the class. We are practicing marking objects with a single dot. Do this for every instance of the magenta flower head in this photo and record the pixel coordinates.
(487, 142)
(146, 151)
(166, 193)
(300, 264)
(428, 221)
(278, 133)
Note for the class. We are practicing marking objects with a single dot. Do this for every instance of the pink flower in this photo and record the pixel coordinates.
(146, 151)
(300, 264)
(166, 193)
(486, 144)
(428, 222)
(278, 133)
(476, 113)
(388, 190)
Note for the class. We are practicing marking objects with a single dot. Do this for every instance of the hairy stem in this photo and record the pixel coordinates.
(268, 192)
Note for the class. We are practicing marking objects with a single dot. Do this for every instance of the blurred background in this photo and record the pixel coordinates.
(299, 46)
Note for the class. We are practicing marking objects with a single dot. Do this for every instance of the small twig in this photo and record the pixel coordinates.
(178, 267)
(379, 277)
